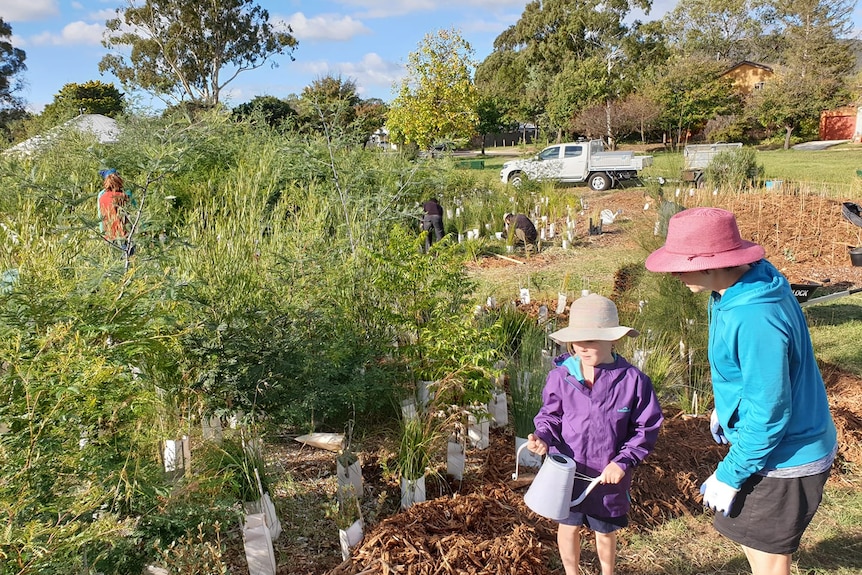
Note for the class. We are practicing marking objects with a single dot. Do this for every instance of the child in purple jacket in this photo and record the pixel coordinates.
(602, 412)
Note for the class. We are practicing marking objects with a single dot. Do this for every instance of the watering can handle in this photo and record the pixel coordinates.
(586, 492)
(518, 460)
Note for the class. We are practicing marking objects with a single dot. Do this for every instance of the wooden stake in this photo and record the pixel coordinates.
(509, 259)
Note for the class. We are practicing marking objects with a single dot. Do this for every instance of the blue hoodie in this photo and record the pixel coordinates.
(769, 393)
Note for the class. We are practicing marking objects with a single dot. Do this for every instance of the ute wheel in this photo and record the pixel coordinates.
(516, 178)
(599, 182)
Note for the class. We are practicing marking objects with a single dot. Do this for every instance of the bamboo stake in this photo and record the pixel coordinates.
(509, 259)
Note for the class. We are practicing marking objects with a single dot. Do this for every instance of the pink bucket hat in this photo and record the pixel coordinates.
(593, 318)
(703, 239)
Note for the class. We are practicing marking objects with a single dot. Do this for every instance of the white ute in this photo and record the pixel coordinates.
(577, 162)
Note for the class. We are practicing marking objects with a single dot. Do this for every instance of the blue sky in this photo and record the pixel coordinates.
(364, 40)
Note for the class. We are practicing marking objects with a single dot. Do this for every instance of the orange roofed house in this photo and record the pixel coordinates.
(748, 76)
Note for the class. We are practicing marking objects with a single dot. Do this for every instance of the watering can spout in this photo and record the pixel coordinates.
(550, 494)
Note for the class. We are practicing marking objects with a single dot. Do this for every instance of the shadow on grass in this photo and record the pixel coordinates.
(841, 552)
(834, 314)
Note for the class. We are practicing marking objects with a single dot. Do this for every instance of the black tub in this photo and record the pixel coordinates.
(852, 213)
(803, 291)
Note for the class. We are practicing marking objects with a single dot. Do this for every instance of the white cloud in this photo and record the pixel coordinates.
(325, 27)
(386, 8)
(74, 34)
(370, 71)
(488, 26)
(28, 10)
(103, 15)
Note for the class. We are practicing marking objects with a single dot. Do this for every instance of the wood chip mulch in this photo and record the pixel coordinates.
(481, 525)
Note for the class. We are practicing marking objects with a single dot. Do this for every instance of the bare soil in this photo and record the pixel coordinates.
(481, 525)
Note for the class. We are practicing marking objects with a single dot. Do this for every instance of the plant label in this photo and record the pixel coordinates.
(525, 296)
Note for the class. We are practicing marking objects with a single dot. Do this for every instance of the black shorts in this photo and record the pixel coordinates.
(771, 513)
(597, 524)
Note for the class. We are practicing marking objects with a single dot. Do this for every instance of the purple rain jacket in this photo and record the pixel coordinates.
(617, 420)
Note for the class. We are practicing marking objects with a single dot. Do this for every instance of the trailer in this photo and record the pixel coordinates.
(698, 156)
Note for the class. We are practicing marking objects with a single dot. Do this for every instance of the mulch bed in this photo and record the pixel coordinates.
(481, 525)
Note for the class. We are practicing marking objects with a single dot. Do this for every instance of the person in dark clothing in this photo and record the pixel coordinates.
(525, 231)
(433, 220)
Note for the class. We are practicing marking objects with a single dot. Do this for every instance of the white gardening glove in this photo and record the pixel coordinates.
(716, 430)
(718, 496)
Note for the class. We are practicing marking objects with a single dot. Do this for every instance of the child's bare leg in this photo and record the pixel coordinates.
(606, 549)
(569, 542)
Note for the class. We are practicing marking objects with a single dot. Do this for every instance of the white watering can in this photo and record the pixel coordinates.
(550, 493)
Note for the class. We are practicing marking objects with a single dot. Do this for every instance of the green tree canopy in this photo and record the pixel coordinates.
(190, 50)
(690, 92)
(437, 99)
(491, 116)
(787, 102)
(93, 97)
(552, 40)
(11, 67)
(271, 110)
(503, 76)
(816, 63)
(331, 105)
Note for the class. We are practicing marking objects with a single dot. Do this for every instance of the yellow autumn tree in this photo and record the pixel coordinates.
(437, 98)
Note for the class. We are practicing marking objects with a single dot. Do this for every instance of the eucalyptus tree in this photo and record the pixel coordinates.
(724, 30)
(181, 50)
(437, 98)
(812, 35)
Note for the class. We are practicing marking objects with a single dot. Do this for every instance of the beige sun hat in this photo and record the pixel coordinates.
(593, 318)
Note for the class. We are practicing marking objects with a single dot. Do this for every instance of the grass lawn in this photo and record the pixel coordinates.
(833, 170)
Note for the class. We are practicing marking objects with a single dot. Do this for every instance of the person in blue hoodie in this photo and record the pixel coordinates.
(602, 412)
(770, 399)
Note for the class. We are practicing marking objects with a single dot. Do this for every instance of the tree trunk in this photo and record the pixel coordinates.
(612, 142)
(787, 131)
(483, 144)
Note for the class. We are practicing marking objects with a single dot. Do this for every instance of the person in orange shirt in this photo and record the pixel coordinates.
(112, 202)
